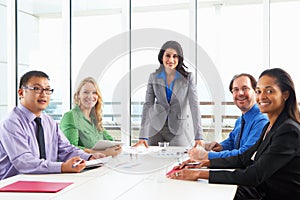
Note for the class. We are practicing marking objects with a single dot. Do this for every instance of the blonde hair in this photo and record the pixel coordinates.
(97, 110)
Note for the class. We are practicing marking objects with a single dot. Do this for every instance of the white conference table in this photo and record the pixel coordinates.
(126, 177)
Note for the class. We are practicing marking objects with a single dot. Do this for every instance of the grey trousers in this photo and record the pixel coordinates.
(165, 135)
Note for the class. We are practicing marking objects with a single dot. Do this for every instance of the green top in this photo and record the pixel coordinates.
(80, 131)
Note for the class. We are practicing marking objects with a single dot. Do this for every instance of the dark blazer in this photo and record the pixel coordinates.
(275, 170)
(156, 108)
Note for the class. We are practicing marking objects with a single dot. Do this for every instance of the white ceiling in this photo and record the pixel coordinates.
(44, 8)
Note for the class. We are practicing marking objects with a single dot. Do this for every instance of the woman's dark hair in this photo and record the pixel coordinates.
(25, 78)
(252, 79)
(285, 83)
(177, 47)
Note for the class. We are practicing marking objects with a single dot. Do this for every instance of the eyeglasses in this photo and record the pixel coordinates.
(237, 90)
(39, 90)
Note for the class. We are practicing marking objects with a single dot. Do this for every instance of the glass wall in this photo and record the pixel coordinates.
(117, 43)
(3, 59)
(100, 50)
(153, 23)
(284, 39)
(232, 37)
(42, 45)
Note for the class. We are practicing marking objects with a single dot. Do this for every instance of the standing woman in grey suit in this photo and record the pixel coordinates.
(169, 92)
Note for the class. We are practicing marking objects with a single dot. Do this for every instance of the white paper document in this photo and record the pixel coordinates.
(103, 144)
(141, 150)
(97, 162)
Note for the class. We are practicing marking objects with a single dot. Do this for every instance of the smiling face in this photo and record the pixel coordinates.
(35, 102)
(243, 93)
(87, 96)
(170, 58)
(270, 98)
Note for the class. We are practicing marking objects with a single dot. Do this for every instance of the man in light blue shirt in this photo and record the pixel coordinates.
(19, 147)
(242, 87)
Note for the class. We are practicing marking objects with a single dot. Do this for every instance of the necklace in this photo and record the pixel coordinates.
(267, 131)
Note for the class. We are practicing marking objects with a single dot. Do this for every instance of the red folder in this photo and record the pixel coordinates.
(35, 186)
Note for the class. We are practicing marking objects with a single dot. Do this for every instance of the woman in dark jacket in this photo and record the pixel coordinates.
(271, 168)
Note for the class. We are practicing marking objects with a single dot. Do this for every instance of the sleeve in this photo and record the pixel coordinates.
(253, 135)
(228, 143)
(149, 102)
(68, 127)
(195, 108)
(107, 136)
(234, 162)
(249, 140)
(67, 151)
(23, 154)
(282, 148)
(228, 147)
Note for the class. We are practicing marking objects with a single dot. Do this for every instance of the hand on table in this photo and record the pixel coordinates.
(199, 143)
(141, 142)
(198, 153)
(188, 174)
(113, 151)
(190, 163)
(213, 146)
(68, 165)
(97, 155)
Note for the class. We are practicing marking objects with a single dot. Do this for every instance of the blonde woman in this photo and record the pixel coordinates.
(83, 124)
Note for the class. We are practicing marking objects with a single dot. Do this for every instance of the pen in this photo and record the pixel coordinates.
(77, 163)
(192, 163)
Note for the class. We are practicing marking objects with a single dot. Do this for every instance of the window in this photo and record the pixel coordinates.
(3, 60)
(99, 51)
(154, 23)
(284, 40)
(42, 46)
(101, 38)
(232, 36)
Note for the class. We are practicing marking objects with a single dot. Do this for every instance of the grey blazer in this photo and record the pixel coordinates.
(157, 110)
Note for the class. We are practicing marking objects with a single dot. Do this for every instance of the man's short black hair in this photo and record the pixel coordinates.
(25, 78)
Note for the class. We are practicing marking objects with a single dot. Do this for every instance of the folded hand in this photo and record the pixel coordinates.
(198, 153)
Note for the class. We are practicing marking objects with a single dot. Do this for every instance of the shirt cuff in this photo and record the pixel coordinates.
(55, 167)
(212, 155)
(199, 136)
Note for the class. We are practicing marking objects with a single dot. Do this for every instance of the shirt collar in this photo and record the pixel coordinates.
(78, 110)
(249, 114)
(27, 113)
(162, 75)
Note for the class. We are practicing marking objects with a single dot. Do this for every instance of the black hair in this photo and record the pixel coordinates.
(285, 83)
(177, 47)
(28, 75)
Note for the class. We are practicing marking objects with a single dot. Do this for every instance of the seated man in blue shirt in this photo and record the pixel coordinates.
(242, 87)
(20, 149)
